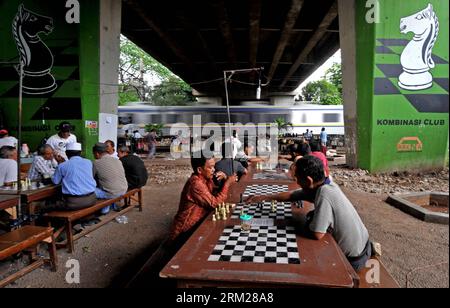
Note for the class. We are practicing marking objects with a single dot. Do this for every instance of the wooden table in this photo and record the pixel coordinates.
(322, 262)
(29, 196)
(7, 201)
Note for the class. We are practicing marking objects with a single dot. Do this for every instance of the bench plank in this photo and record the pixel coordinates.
(70, 216)
(23, 239)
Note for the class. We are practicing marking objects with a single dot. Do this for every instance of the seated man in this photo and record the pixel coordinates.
(75, 175)
(333, 213)
(316, 151)
(109, 174)
(8, 165)
(135, 170)
(110, 149)
(226, 163)
(245, 156)
(198, 197)
(44, 164)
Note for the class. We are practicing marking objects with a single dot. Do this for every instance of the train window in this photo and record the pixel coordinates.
(331, 117)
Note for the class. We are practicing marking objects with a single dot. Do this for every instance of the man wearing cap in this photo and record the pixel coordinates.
(75, 175)
(59, 141)
(109, 174)
(7, 140)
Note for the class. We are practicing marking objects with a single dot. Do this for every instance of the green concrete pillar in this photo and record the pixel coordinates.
(396, 80)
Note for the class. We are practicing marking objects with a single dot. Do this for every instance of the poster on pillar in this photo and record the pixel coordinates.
(410, 102)
(37, 34)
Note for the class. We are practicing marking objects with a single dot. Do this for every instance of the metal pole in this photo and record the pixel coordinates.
(229, 119)
(19, 138)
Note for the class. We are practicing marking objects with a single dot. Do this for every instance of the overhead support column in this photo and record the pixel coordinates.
(110, 22)
(395, 73)
(348, 54)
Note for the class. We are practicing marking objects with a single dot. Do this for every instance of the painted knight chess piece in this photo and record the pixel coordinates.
(416, 58)
(35, 56)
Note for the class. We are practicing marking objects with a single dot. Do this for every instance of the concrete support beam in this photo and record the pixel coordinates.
(110, 24)
(348, 53)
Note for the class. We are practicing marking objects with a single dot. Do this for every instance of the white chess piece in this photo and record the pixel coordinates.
(416, 58)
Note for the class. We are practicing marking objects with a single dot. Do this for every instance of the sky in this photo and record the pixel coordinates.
(320, 72)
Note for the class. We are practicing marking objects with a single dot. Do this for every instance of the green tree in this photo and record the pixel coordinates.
(157, 126)
(134, 64)
(172, 92)
(282, 125)
(128, 94)
(322, 92)
(334, 76)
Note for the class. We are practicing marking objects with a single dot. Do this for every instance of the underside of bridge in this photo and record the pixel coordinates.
(198, 40)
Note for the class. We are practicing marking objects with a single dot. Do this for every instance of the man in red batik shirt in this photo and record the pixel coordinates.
(198, 197)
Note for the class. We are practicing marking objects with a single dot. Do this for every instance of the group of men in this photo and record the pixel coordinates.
(59, 161)
(333, 212)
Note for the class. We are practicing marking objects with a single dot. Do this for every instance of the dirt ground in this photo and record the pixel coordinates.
(414, 252)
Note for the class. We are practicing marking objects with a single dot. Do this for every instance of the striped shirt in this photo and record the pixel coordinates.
(42, 168)
(110, 175)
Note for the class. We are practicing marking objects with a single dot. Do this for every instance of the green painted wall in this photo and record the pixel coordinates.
(90, 69)
(75, 50)
(400, 129)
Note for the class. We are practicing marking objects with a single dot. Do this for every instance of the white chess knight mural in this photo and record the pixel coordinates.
(35, 56)
(416, 58)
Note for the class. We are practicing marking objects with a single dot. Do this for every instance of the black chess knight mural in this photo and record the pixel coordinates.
(35, 56)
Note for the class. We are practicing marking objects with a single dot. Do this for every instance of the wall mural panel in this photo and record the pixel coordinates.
(37, 34)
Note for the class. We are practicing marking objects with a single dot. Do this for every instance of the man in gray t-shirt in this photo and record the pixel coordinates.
(333, 212)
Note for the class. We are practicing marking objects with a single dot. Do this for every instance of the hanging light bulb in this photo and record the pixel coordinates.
(258, 90)
(258, 93)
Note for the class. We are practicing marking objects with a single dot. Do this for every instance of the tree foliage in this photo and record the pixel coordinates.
(322, 92)
(134, 65)
(334, 76)
(172, 92)
(325, 91)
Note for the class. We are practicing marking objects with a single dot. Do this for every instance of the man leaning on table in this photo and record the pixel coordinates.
(75, 175)
(333, 213)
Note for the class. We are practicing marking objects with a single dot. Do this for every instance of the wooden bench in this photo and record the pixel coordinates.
(386, 280)
(27, 238)
(69, 217)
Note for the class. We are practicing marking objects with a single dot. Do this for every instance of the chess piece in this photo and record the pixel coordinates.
(214, 217)
(416, 58)
(35, 56)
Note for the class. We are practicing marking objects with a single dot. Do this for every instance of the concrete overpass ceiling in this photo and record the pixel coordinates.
(197, 40)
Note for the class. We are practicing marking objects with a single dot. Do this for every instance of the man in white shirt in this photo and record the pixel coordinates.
(8, 165)
(5, 139)
(59, 141)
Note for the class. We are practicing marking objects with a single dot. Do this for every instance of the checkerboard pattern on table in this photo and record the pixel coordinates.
(269, 176)
(262, 244)
(256, 190)
(388, 69)
(283, 210)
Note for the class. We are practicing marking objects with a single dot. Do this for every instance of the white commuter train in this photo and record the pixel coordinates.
(302, 116)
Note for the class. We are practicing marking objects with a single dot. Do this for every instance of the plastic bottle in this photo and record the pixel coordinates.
(122, 219)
